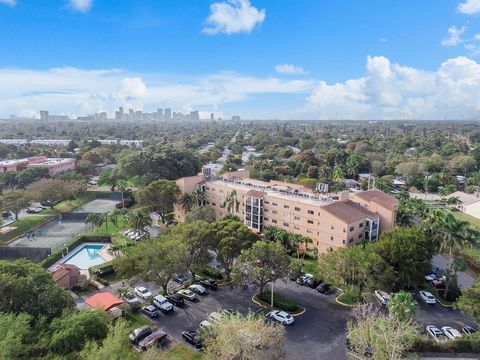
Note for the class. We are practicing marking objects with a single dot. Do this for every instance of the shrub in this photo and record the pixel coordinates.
(212, 272)
(465, 344)
(280, 302)
(102, 269)
(102, 281)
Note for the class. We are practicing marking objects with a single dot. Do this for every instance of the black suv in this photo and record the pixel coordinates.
(209, 284)
(323, 288)
(179, 278)
(175, 299)
(191, 337)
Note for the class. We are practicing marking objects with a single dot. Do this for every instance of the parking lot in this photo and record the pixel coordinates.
(318, 333)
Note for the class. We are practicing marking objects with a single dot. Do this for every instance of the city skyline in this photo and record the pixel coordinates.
(259, 59)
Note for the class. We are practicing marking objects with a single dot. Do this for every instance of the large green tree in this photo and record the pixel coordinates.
(469, 301)
(138, 219)
(15, 201)
(27, 288)
(229, 238)
(16, 335)
(159, 196)
(263, 263)
(402, 306)
(205, 213)
(409, 251)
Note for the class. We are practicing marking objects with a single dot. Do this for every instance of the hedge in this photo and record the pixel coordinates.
(53, 258)
(280, 302)
(102, 269)
(212, 272)
(465, 344)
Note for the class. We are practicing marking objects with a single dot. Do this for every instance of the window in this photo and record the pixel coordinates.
(360, 225)
(309, 231)
(352, 228)
(344, 230)
(298, 209)
(360, 236)
(266, 210)
(350, 240)
(286, 207)
(274, 211)
(285, 216)
(310, 221)
(311, 212)
(213, 204)
(266, 202)
(265, 218)
(274, 204)
(207, 188)
(285, 224)
(331, 238)
(274, 221)
(343, 241)
(332, 227)
(207, 202)
(297, 217)
(296, 227)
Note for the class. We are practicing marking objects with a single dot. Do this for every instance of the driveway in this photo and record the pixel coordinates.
(464, 280)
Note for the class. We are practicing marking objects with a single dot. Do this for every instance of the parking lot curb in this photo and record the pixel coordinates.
(266, 307)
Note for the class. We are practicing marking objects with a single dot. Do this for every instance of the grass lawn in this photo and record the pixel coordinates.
(472, 220)
(346, 299)
(181, 352)
(308, 265)
(23, 225)
(137, 320)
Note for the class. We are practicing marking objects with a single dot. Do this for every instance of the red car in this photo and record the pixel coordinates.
(439, 283)
(152, 340)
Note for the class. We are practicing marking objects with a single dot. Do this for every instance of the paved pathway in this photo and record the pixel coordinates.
(464, 279)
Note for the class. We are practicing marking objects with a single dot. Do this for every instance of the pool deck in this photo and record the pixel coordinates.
(104, 253)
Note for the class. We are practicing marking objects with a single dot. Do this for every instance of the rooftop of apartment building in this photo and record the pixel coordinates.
(36, 160)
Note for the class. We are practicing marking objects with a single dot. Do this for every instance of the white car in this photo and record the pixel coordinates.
(435, 334)
(142, 292)
(205, 324)
(451, 333)
(197, 289)
(162, 303)
(427, 297)
(131, 299)
(219, 315)
(187, 294)
(430, 277)
(280, 316)
(382, 297)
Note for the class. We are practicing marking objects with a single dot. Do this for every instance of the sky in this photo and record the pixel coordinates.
(260, 59)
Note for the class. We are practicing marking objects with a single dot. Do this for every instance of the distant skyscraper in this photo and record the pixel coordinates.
(194, 116)
(159, 114)
(131, 114)
(120, 113)
(44, 115)
(212, 116)
(167, 114)
(235, 118)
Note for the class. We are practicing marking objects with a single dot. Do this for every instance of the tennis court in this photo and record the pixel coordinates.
(52, 235)
(98, 206)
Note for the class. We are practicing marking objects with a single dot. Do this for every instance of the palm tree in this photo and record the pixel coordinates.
(113, 216)
(231, 202)
(295, 241)
(93, 219)
(138, 219)
(122, 186)
(186, 200)
(198, 196)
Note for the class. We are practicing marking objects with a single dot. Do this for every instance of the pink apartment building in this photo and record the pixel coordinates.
(55, 166)
(330, 220)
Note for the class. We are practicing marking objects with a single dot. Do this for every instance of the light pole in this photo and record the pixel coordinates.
(271, 292)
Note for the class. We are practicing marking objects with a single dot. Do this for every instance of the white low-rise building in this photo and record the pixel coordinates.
(468, 204)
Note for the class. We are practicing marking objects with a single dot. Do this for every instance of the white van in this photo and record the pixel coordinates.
(162, 303)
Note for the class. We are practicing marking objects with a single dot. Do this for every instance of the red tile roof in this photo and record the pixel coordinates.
(104, 300)
(348, 211)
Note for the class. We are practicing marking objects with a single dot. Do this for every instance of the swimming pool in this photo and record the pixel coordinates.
(86, 257)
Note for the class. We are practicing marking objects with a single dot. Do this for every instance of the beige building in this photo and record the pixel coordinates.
(330, 220)
(466, 203)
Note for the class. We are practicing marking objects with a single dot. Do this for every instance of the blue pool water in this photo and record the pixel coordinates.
(86, 257)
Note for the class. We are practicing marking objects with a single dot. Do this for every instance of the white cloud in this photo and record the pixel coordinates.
(9, 2)
(454, 36)
(289, 69)
(469, 7)
(477, 37)
(81, 5)
(233, 16)
(76, 91)
(393, 91)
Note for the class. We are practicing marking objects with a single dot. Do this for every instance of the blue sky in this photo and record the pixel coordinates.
(286, 59)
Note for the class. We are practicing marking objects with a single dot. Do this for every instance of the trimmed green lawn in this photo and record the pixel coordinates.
(181, 352)
(22, 226)
(309, 266)
(346, 299)
(472, 220)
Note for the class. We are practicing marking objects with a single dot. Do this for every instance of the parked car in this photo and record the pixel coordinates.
(439, 282)
(430, 277)
(323, 288)
(209, 284)
(197, 289)
(220, 314)
(131, 299)
(34, 210)
(142, 292)
(467, 330)
(427, 297)
(175, 299)
(280, 316)
(6, 214)
(382, 297)
(162, 303)
(150, 311)
(305, 279)
(154, 339)
(179, 278)
(204, 324)
(451, 333)
(191, 337)
(138, 334)
(187, 294)
(435, 333)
